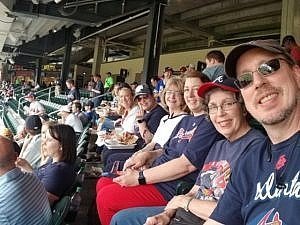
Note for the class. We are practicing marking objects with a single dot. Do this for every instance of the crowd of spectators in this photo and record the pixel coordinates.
(191, 126)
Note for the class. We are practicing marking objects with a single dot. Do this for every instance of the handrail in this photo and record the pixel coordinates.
(102, 95)
(23, 97)
(49, 92)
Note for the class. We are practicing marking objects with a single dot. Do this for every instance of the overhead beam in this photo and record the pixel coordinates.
(273, 8)
(82, 16)
(250, 25)
(190, 27)
(221, 7)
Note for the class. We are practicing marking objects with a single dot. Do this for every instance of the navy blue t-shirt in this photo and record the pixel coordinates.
(57, 177)
(221, 160)
(73, 94)
(193, 137)
(252, 193)
(153, 117)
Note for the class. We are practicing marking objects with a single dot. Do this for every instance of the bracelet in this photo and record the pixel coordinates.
(186, 208)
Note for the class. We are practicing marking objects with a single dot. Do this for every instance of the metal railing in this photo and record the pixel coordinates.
(49, 96)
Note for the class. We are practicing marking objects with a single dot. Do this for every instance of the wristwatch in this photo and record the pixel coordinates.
(141, 179)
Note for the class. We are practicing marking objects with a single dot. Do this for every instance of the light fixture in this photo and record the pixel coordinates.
(57, 1)
(36, 2)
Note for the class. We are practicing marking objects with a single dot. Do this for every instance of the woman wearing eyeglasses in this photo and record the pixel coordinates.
(228, 115)
(173, 99)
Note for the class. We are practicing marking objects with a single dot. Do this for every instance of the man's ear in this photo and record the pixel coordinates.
(296, 70)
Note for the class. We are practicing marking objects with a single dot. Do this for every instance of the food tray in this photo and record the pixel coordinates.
(114, 144)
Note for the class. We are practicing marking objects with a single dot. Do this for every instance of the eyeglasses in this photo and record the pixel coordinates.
(265, 69)
(176, 93)
(141, 97)
(225, 106)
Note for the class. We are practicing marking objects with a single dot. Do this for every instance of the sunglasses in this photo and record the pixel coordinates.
(265, 69)
(141, 97)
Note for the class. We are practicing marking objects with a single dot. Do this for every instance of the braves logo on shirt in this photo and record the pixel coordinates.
(271, 218)
(185, 134)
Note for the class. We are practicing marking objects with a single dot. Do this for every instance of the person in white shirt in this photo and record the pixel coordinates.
(70, 119)
(35, 107)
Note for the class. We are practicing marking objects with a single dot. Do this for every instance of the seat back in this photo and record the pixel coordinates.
(60, 210)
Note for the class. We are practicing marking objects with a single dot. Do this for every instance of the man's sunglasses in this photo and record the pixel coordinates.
(265, 69)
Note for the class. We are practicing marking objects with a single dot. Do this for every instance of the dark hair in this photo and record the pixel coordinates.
(288, 39)
(217, 55)
(156, 78)
(70, 81)
(97, 75)
(197, 74)
(77, 105)
(66, 136)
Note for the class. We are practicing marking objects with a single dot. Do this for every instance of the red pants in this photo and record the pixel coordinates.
(111, 198)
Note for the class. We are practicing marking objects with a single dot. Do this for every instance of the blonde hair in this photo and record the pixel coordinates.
(179, 83)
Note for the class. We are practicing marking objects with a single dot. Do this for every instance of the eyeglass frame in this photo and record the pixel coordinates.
(229, 105)
(250, 73)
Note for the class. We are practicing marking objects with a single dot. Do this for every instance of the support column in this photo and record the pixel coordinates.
(153, 41)
(98, 55)
(67, 58)
(290, 18)
(38, 70)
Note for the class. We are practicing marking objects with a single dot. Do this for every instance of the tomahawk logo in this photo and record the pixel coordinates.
(275, 220)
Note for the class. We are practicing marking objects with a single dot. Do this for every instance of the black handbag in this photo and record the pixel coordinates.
(183, 217)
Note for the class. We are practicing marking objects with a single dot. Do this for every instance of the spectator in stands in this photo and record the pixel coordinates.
(35, 107)
(70, 119)
(158, 86)
(173, 97)
(108, 83)
(147, 120)
(23, 197)
(291, 46)
(133, 85)
(228, 115)
(98, 90)
(7, 133)
(31, 149)
(182, 71)
(214, 64)
(191, 68)
(91, 113)
(149, 114)
(74, 93)
(264, 189)
(91, 84)
(168, 73)
(59, 174)
(184, 153)
(76, 110)
(57, 89)
(126, 108)
(45, 158)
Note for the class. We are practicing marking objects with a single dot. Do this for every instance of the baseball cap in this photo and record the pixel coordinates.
(33, 122)
(142, 89)
(30, 95)
(224, 82)
(269, 45)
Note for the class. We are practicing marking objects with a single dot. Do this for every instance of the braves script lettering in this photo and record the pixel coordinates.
(266, 190)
